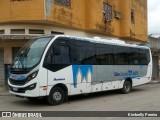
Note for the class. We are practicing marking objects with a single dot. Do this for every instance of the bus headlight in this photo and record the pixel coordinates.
(32, 76)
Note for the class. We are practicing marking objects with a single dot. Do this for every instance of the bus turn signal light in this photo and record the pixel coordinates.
(44, 87)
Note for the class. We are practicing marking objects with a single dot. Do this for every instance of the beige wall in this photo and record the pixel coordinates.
(138, 30)
(21, 10)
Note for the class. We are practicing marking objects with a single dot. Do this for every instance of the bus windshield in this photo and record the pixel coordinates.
(30, 55)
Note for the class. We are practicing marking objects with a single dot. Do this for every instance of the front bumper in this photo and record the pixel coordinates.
(23, 90)
(30, 89)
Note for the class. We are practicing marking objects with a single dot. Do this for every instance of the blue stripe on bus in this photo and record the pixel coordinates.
(84, 69)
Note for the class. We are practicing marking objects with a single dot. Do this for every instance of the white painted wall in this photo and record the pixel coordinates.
(48, 29)
(66, 31)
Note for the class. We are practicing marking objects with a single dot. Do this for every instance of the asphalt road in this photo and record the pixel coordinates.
(142, 98)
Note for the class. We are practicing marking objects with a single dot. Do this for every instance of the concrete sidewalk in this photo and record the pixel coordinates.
(4, 91)
(155, 81)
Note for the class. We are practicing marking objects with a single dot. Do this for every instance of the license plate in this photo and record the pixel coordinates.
(15, 89)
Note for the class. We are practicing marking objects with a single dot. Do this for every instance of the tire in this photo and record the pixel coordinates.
(127, 87)
(56, 96)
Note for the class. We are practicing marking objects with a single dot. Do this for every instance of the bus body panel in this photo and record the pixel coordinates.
(88, 84)
(144, 79)
(43, 81)
(105, 73)
(63, 76)
(81, 79)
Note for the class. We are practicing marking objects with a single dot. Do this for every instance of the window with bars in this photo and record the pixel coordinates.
(132, 16)
(55, 33)
(2, 32)
(17, 31)
(107, 9)
(66, 3)
(36, 31)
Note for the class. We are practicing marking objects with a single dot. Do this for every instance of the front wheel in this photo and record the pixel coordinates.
(127, 87)
(56, 96)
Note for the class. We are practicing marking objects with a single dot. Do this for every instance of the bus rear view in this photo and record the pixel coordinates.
(55, 67)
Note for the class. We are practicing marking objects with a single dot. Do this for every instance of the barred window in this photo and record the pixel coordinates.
(132, 16)
(2, 32)
(66, 3)
(36, 31)
(17, 31)
(107, 11)
(55, 33)
(17, 0)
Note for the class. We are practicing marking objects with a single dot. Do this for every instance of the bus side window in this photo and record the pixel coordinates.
(61, 54)
(58, 55)
(57, 58)
(144, 56)
(88, 55)
(121, 55)
(49, 57)
(74, 54)
(134, 56)
(104, 54)
(82, 53)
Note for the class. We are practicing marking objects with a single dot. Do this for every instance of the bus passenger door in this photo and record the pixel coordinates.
(57, 63)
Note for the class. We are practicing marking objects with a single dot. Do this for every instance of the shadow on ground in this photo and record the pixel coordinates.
(76, 98)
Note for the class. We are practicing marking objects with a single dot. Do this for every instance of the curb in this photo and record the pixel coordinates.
(154, 82)
(5, 93)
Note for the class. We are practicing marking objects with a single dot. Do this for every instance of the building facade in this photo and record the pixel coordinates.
(154, 44)
(21, 20)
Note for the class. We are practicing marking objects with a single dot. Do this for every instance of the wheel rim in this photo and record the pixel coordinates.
(57, 96)
(127, 87)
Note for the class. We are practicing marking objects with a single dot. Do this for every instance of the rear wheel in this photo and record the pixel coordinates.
(127, 87)
(56, 96)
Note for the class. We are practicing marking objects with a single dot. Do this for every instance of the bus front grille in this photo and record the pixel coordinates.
(17, 82)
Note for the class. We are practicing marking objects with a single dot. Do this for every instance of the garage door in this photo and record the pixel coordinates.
(1, 66)
(155, 72)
